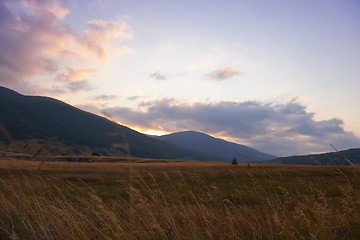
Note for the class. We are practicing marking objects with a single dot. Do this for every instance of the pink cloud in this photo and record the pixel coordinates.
(223, 73)
(100, 34)
(29, 39)
(47, 9)
(35, 43)
(74, 74)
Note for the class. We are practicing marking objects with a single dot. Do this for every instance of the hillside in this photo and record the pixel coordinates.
(216, 146)
(343, 158)
(31, 117)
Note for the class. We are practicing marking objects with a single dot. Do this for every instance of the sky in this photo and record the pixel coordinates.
(281, 76)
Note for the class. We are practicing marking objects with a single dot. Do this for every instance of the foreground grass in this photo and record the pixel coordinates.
(177, 200)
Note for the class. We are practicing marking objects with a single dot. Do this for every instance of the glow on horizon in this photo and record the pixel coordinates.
(153, 132)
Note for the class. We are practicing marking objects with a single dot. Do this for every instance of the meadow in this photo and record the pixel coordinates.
(145, 199)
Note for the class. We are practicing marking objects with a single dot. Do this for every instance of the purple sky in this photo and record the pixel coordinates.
(280, 76)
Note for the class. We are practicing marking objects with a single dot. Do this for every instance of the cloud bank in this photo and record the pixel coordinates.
(34, 42)
(280, 129)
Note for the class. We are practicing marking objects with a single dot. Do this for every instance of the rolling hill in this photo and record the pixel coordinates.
(25, 118)
(227, 150)
(342, 158)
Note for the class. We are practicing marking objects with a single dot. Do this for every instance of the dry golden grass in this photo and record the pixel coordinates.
(177, 200)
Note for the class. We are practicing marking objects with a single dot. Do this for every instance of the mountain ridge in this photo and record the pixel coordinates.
(206, 143)
(342, 158)
(36, 117)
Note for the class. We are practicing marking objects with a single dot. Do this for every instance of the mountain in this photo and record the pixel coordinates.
(25, 118)
(227, 150)
(343, 158)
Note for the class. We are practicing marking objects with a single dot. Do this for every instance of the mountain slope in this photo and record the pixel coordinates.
(32, 117)
(346, 157)
(205, 143)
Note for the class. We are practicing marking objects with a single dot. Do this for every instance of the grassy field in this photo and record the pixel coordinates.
(146, 199)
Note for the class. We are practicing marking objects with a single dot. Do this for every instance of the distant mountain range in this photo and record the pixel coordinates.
(198, 141)
(29, 122)
(24, 118)
(343, 158)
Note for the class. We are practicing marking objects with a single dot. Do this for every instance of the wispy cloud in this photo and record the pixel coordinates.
(75, 79)
(106, 97)
(222, 74)
(100, 34)
(133, 98)
(158, 76)
(75, 74)
(280, 129)
(79, 85)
